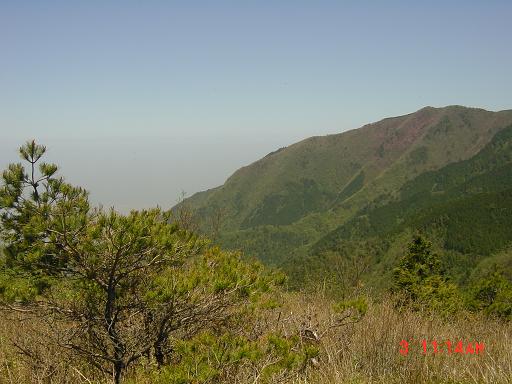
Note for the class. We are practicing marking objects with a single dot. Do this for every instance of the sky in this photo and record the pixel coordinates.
(141, 101)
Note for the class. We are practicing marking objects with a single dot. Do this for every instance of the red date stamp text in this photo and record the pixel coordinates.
(448, 347)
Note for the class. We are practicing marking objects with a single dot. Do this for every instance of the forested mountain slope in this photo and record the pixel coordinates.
(466, 207)
(358, 191)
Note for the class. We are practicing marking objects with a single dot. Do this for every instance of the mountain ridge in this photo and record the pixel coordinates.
(281, 204)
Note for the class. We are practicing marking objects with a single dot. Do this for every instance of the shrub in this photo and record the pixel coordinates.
(492, 294)
(420, 281)
(114, 288)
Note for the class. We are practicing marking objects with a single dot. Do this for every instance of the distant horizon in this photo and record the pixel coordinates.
(137, 102)
(187, 194)
(183, 193)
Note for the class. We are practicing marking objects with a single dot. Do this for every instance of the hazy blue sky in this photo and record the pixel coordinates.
(140, 100)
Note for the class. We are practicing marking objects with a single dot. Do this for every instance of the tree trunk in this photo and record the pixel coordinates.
(159, 355)
(118, 370)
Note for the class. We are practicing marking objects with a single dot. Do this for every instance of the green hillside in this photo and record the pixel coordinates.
(466, 206)
(363, 192)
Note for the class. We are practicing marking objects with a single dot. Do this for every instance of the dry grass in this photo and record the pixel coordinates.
(28, 356)
(368, 352)
(363, 352)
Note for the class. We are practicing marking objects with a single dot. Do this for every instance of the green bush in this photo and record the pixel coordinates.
(116, 288)
(420, 281)
(492, 294)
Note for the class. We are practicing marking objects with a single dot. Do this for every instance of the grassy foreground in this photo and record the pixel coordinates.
(365, 351)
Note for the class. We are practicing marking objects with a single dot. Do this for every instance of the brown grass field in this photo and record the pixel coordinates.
(366, 351)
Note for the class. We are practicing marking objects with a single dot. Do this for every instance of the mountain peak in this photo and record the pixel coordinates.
(327, 179)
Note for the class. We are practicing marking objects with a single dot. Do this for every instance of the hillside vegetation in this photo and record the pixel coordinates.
(362, 194)
(466, 206)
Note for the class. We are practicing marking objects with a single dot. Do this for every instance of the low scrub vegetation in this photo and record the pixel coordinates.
(304, 340)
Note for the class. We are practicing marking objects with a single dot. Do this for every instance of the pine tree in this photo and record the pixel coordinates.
(114, 287)
(420, 281)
